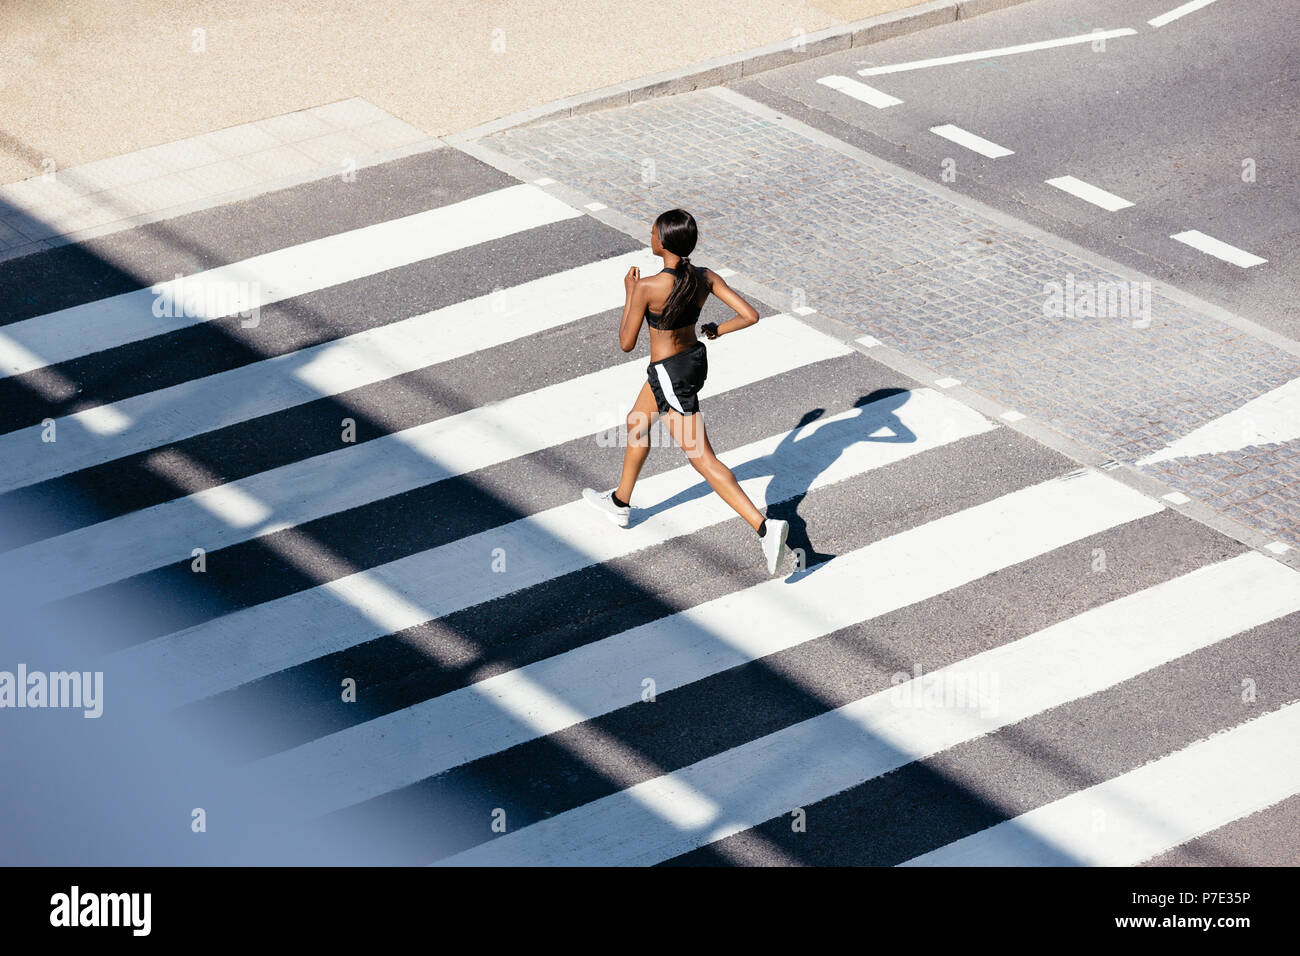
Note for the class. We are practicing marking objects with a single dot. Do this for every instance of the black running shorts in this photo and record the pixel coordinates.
(677, 380)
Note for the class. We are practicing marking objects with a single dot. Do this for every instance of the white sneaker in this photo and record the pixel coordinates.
(602, 501)
(774, 543)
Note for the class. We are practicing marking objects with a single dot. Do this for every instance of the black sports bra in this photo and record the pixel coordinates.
(689, 317)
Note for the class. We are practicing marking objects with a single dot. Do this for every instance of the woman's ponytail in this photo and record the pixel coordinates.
(677, 234)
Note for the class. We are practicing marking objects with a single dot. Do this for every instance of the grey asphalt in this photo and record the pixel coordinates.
(1164, 118)
(917, 808)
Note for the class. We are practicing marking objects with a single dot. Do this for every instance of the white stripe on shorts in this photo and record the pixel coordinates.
(666, 384)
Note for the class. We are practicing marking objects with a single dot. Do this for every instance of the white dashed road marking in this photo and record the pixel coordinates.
(1218, 249)
(1089, 193)
(860, 91)
(972, 142)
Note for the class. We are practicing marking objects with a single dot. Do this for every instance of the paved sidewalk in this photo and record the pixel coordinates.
(86, 81)
(922, 272)
(83, 201)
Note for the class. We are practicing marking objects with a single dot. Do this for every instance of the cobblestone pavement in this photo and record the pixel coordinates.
(968, 296)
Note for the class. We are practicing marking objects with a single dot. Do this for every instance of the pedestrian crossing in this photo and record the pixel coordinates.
(1139, 815)
(627, 696)
(746, 625)
(244, 287)
(353, 476)
(279, 634)
(167, 415)
(812, 760)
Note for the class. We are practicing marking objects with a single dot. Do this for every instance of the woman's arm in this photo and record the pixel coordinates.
(634, 304)
(746, 315)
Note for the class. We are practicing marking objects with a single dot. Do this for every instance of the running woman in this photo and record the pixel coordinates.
(678, 365)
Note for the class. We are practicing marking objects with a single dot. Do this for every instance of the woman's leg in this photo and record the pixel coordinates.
(690, 434)
(644, 411)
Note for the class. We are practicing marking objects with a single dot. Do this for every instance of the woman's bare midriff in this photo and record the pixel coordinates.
(671, 341)
(668, 342)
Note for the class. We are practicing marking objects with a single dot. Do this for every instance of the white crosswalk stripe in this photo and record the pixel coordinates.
(812, 760)
(352, 476)
(1131, 818)
(242, 287)
(1005, 525)
(712, 637)
(260, 388)
(294, 629)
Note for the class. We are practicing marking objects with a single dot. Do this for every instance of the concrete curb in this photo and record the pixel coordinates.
(734, 66)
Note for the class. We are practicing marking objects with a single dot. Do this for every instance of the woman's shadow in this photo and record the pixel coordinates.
(804, 453)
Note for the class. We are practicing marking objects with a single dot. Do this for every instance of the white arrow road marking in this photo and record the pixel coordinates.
(1269, 419)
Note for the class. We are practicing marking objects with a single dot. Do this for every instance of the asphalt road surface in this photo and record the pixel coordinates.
(1193, 122)
(326, 506)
